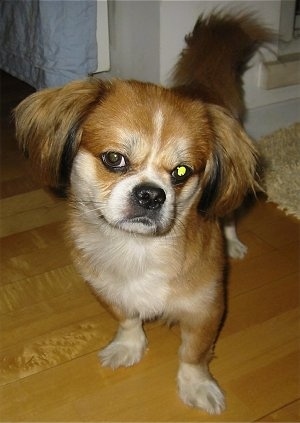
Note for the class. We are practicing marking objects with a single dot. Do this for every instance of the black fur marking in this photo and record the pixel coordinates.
(68, 155)
(212, 187)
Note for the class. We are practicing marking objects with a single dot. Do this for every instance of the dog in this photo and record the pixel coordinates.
(149, 171)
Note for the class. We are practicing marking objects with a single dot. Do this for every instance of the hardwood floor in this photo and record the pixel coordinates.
(52, 326)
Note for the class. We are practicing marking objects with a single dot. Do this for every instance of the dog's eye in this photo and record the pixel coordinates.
(114, 161)
(180, 174)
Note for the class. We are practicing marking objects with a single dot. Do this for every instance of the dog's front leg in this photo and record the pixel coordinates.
(128, 346)
(197, 388)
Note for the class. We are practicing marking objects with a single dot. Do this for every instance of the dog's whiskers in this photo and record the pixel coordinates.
(85, 207)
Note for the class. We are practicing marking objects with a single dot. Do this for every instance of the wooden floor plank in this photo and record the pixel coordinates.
(30, 210)
(22, 293)
(259, 305)
(30, 241)
(64, 309)
(248, 274)
(288, 413)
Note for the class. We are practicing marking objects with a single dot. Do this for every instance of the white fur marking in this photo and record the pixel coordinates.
(198, 389)
(158, 125)
(128, 346)
(235, 248)
(158, 121)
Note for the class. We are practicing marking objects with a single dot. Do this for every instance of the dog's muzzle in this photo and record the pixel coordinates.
(147, 208)
(149, 196)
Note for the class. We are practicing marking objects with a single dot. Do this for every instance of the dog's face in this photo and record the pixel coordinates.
(138, 156)
(141, 158)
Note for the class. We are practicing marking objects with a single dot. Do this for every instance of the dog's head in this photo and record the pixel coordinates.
(139, 156)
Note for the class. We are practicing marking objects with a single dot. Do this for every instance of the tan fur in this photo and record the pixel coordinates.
(144, 263)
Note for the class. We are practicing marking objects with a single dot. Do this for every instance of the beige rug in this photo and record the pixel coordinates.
(280, 153)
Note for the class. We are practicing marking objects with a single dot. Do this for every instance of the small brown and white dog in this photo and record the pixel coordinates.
(149, 171)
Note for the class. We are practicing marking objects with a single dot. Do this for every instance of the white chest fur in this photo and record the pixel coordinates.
(131, 271)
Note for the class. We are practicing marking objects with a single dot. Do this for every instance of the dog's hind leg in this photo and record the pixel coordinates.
(128, 346)
(235, 248)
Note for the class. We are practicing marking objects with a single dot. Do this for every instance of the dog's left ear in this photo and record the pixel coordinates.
(231, 171)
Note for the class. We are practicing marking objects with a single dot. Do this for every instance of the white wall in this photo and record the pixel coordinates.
(102, 36)
(134, 39)
(147, 36)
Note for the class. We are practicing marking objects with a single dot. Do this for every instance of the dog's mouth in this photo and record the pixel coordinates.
(144, 220)
(143, 225)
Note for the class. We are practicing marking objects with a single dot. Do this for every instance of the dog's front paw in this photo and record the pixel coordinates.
(127, 348)
(197, 390)
(236, 249)
(118, 354)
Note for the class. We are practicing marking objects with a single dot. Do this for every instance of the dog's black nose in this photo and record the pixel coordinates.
(149, 196)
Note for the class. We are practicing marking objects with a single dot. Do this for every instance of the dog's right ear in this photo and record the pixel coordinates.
(48, 126)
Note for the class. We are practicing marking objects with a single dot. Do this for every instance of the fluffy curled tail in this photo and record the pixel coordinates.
(216, 56)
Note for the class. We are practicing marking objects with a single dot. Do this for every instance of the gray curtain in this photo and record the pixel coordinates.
(48, 43)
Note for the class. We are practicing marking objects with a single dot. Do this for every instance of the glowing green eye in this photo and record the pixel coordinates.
(180, 174)
(181, 171)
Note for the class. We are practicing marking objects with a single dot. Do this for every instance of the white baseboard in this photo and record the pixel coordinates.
(267, 119)
(281, 73)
